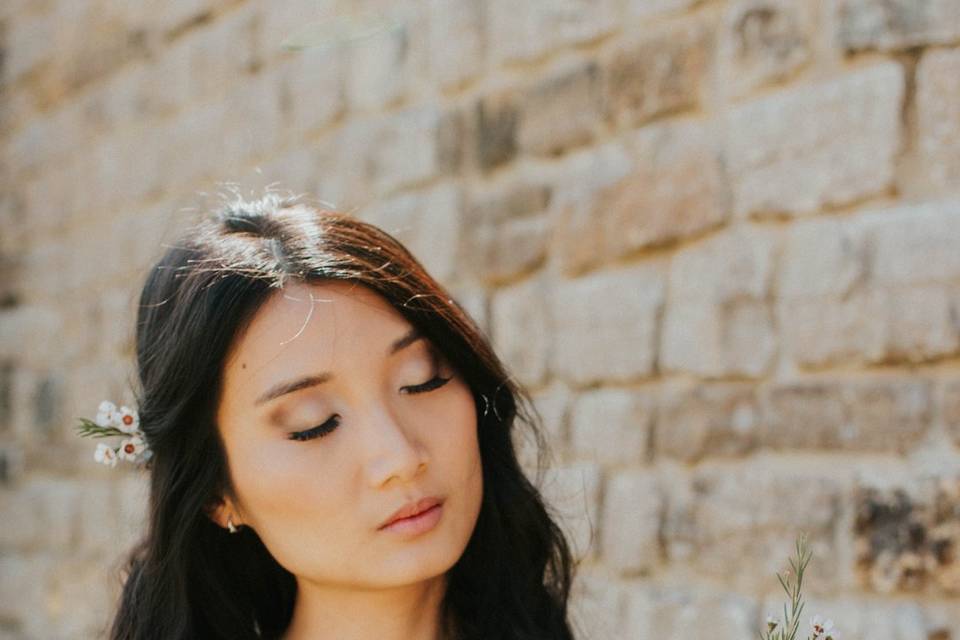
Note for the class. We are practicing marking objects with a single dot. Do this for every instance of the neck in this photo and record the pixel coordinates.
(411, 612)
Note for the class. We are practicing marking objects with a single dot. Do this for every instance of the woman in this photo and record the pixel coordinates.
(304, 383)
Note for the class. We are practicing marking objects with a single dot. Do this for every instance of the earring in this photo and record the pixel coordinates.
(230, 526)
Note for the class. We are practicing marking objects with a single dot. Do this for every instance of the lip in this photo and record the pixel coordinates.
(411, 509)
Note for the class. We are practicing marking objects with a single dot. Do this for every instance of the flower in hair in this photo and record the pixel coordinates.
(111, 421)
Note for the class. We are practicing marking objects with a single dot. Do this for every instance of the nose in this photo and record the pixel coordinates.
(394, 449)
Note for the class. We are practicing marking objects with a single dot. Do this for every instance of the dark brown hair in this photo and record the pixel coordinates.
(188, 578)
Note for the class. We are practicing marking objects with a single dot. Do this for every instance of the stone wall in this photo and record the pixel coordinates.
(718, 240)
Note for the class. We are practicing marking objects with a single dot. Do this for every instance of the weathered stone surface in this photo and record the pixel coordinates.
(764, 41)
(877, 618)
(896, 24)
(552, 403)
(579, 240)
(605, 325)
(496, 118)
(379, 67)
(785, 158)
(658, 73)
(596, 605)
(505, 231)
(632, 511)
(677, 190)
(404, 149)
(729, 529)
(821, 257)
(456, 40)
(518, 32)
(651, 8)
(521, 327)
(562, 110)
(612, 426)
(735, 263)
(938, 118)
(832, 329)
(717, 321)
(655, 611)
(921, 324)
(573, 490)
(707, 420)
(950, 408)
(906, 538)
(426, 222)
(311, 91)
(863, 415)
(914, 244)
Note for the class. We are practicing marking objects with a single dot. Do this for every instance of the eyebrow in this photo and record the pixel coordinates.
(305, 382)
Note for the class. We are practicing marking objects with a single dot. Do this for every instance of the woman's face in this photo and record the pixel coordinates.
(338, 355)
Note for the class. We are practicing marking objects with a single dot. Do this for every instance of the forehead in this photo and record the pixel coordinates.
(304, 322)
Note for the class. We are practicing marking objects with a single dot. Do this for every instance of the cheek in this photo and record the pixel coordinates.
(279, 488)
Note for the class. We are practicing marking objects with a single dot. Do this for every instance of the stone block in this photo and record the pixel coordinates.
(914, 244)
(764, 41)
(822, 257)
(717, 321)
(605, 325)
(695, 421)
(826, 330)
(378, 66)
(310, 89)
(716, 339)
(562, 109)
(572, 492)
(457, 45)
(938, 118)
(404, 149)
(518, 32)
(887, 415)
(677, 190)
(579, 239)
(735, 263)
(495, 124)
(659, 72)
(784, 157)
(742, 535)
(921, 324)
(596, 605)
(521, 329)
(552, 405)
(505, 231)
(896, 24)
(630, 525)
(612, 426)
(690, 612)
(950, 408)
(427, 222)
(653, 8)
(905, 536)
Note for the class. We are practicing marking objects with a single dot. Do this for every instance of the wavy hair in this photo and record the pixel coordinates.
(187, 577)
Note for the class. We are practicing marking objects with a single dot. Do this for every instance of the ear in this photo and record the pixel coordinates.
(221, 510)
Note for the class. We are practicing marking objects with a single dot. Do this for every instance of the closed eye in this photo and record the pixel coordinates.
(333, 422)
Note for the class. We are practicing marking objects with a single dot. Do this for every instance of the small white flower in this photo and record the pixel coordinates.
(107, 415)
(772, 623)
(127, 420)
(105, 455)
(131, 448)
(822, 628)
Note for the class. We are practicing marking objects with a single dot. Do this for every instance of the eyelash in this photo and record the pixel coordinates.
(321, 430)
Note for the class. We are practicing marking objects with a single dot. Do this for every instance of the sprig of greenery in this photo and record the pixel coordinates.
(88, 427)
(787, 630)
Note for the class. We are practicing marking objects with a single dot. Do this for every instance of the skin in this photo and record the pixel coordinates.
(317, 504)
